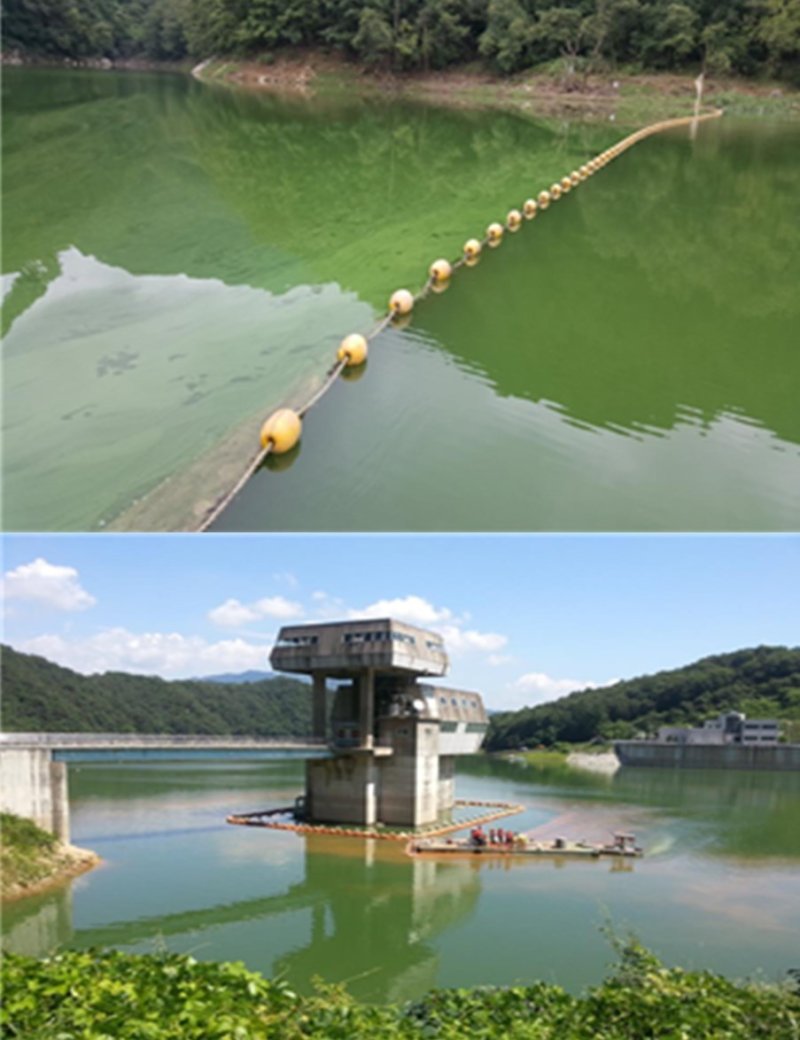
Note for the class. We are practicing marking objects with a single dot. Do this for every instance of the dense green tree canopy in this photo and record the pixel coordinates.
(724, 36)
(41, 696)
(762, 682)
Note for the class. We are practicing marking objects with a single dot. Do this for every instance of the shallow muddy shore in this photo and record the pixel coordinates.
(613, 95)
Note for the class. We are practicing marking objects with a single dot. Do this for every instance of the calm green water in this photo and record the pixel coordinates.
(178, 260)
(718, 888)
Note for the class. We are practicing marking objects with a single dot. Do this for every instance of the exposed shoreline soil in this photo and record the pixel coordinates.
(613, 95)
(606, 763)
(66, 862)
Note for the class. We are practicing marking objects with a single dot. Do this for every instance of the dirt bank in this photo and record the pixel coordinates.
(627, 98)
(606, 763)
(53, 869)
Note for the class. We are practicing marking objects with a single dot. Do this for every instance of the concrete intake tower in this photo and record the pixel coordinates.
(393, 737)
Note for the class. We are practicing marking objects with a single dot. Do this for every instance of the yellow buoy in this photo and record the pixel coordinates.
(529, 208)
(584, 171)
(513, 219)
(440, 287)
(566, 183)
(543, 199)
(494, 233)
(472, 259)
(353, 349)
(401, 302)
(440, 270)
(575, 178)
(472, 248)
(555, 192)
(281, 431)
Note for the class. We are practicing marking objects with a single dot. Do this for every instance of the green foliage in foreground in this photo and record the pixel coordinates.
(763, 682)
(89, 996)
(26, 851)
(41, 696)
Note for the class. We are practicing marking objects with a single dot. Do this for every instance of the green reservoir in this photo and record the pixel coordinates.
(181, 259)
(718, 888)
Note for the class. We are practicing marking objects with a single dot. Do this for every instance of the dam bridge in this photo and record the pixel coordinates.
(34, 766)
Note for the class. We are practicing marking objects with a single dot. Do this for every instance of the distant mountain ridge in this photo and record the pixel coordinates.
(41, 696)
(236, 677)
(763, 681)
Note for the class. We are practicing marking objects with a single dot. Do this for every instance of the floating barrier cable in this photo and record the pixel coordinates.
(282, 430)
(284, 820)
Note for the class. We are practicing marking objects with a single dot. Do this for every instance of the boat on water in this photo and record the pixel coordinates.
(623, 845)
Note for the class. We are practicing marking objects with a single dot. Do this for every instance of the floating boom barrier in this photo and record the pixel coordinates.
(281, 431)
(274, 819)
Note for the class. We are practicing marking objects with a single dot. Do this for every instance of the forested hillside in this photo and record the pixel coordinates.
(746, 37)
(764, 682)
(39, 695)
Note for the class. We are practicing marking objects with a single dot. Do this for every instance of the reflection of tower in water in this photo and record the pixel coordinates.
(380, 911)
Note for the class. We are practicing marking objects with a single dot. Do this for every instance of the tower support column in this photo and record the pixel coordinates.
(366, 707)
(319, 707)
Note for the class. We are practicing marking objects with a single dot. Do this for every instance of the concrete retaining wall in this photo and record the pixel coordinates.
(34, 786)
(782, 757)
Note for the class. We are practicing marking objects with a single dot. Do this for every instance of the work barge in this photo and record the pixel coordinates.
(622, 846)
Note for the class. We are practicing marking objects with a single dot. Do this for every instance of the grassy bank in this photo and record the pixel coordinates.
(32, 860)
(624, 97)
(172, 997)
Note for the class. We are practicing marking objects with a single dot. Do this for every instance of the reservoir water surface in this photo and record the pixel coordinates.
(718, 888)
(181, 259)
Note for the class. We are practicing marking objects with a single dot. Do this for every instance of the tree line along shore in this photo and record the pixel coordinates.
(38, 696)
(747, 38)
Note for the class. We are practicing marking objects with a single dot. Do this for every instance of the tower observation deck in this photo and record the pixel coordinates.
(394, 736)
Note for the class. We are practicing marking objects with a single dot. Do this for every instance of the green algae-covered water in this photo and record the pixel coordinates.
(718, 888)
(179, 260)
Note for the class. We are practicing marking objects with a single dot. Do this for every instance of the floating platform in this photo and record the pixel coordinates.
(623, 846)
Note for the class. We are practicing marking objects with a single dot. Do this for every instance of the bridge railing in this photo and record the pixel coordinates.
(159, 740)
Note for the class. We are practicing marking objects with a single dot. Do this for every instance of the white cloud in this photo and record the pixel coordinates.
(47, 584)
(232, 612)
(459, 640)
(413, 609)
(278, 607)
(495, 660)
(539, 688)
(168, 654)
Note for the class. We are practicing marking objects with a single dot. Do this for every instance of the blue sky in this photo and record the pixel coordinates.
(526, 618)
